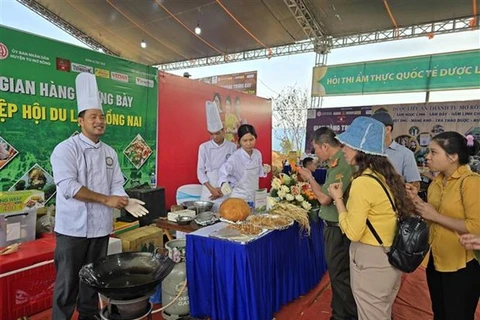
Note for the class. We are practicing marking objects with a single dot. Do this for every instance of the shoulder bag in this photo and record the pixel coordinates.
(410, 244)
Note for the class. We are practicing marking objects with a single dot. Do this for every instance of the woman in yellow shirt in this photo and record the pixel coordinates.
(453, 209)
(374, 281)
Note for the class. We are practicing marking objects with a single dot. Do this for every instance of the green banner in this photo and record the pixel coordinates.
(459, 70)
(38, 108)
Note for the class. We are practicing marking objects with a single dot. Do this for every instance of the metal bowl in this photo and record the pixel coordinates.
(198, 206)
(206, 218)
(184, 220)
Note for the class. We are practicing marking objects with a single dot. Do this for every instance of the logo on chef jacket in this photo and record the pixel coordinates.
(109, 161)
(227, 156)
(3, 51)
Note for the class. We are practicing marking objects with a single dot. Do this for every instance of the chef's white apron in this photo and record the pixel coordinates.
(205, 196)
(248, 184)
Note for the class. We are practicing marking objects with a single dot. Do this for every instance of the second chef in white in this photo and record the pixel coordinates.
(212, 155)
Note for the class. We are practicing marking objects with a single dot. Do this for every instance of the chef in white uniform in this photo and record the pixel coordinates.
(89, 185)
(244, 168)
(212, 155)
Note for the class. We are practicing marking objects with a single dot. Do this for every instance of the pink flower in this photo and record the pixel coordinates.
(295, 190)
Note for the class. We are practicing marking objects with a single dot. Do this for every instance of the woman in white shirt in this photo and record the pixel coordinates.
(244, 167)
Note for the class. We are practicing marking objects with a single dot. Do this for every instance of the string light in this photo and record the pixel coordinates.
(143, 44)
(198, 30)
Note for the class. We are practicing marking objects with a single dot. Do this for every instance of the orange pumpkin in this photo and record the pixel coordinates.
(234, 209)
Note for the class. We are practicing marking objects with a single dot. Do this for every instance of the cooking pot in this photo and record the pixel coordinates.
(128, 275)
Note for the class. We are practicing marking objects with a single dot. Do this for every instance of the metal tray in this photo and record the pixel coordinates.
(234, 235)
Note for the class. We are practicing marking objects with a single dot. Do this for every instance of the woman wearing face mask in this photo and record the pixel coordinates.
(244, 167)
(453, 208)
(374, 282)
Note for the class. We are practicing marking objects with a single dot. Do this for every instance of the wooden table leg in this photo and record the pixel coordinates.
(167, 233)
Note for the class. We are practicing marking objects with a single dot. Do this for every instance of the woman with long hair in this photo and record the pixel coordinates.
(375, 283)
(452, 209)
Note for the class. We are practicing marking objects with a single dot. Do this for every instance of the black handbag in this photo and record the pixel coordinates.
(410, 245)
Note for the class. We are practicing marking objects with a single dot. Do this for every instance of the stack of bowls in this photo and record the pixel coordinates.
(198, 206)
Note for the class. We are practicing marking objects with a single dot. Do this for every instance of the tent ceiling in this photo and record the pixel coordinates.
(167, 25)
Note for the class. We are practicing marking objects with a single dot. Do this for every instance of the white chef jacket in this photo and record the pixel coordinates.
(78, 162)
(211, 157)
(235, 170)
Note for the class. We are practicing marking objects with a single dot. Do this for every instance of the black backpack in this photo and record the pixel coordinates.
(410, 245)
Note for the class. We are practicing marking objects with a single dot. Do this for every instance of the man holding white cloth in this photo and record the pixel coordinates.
(212, 155)
(89, 185)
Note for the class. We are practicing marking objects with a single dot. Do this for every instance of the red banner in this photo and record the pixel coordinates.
(182, 127)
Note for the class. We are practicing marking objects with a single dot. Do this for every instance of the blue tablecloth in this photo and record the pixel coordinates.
(231, 281)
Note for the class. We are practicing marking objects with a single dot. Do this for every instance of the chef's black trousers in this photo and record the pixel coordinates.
(455, 294)
(71, 253)
(337, 248)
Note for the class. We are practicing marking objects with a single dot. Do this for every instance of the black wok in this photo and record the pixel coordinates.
(126, 276)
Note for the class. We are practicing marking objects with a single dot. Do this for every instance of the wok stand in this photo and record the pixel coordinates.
(134, 309)
(125, 281)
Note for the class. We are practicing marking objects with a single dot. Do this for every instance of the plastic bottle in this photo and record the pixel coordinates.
(251, 202)
(153, 180)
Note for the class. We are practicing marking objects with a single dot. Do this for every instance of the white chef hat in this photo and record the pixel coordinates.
(87, 92)
(214, 123)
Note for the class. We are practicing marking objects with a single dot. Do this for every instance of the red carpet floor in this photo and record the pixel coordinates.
(313, 306)
(412, 303)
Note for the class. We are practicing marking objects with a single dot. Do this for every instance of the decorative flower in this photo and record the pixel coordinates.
(295, 190)
(287, 180)
(287, 188)
(306, 205)
(276, 183)
(289, 197)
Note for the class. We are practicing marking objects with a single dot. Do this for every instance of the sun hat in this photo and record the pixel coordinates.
(365, 134)
(383, 117)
